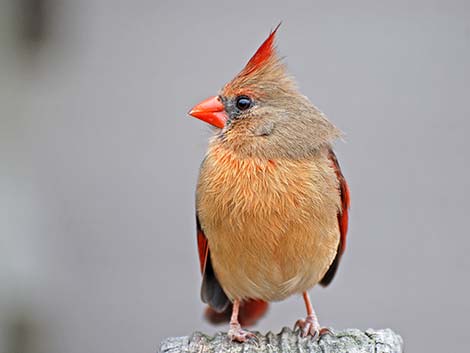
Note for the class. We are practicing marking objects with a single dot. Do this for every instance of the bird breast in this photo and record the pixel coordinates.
(271, 224)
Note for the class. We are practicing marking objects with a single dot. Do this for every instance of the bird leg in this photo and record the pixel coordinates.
(310, 326)
(236, 333)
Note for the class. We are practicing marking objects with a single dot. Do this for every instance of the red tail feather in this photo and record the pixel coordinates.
(250, 312)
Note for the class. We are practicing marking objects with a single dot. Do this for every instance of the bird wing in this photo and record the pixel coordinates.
(202, 246)
(211, 290)
(343, 216)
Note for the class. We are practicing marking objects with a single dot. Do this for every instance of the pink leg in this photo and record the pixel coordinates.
(236, 333)
(310, 325)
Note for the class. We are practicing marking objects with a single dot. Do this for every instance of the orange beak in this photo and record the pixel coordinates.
(211, 111)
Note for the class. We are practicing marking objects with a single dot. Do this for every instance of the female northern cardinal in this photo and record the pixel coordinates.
(271, 201)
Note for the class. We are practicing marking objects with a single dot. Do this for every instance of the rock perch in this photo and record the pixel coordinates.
(287, 341)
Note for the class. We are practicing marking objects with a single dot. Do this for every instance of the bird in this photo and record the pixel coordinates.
(271, 200)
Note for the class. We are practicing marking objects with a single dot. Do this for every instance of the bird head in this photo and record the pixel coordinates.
(261, 113)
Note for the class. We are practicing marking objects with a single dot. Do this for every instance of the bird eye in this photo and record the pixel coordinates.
(243, 102)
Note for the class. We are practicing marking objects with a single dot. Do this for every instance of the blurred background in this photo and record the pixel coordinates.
(98, 163)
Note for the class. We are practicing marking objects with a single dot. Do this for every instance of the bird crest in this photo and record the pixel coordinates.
(265, 53)
(263, 67)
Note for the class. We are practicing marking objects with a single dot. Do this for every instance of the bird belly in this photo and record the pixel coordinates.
(273, 270)
(271, 225)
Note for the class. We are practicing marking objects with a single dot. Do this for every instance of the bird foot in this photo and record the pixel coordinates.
(311, 327)
(236, 333)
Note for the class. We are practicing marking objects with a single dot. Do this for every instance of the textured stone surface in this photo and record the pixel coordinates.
(350, 340)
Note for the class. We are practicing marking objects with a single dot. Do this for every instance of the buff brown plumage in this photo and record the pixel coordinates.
(271, 201)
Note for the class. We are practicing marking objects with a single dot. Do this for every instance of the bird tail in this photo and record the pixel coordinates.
(250, 312)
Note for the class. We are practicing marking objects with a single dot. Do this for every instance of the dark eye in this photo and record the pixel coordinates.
(243, 102)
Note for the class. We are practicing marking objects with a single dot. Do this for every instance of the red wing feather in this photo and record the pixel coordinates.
(211, 290)
(343, 216)
(202, 247)
(343, 219)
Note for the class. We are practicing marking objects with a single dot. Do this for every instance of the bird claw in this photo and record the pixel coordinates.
(307, 327)
(326, 331)
(311, 327)
(237, 334)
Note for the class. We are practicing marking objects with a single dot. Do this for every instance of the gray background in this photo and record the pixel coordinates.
(99, 162)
